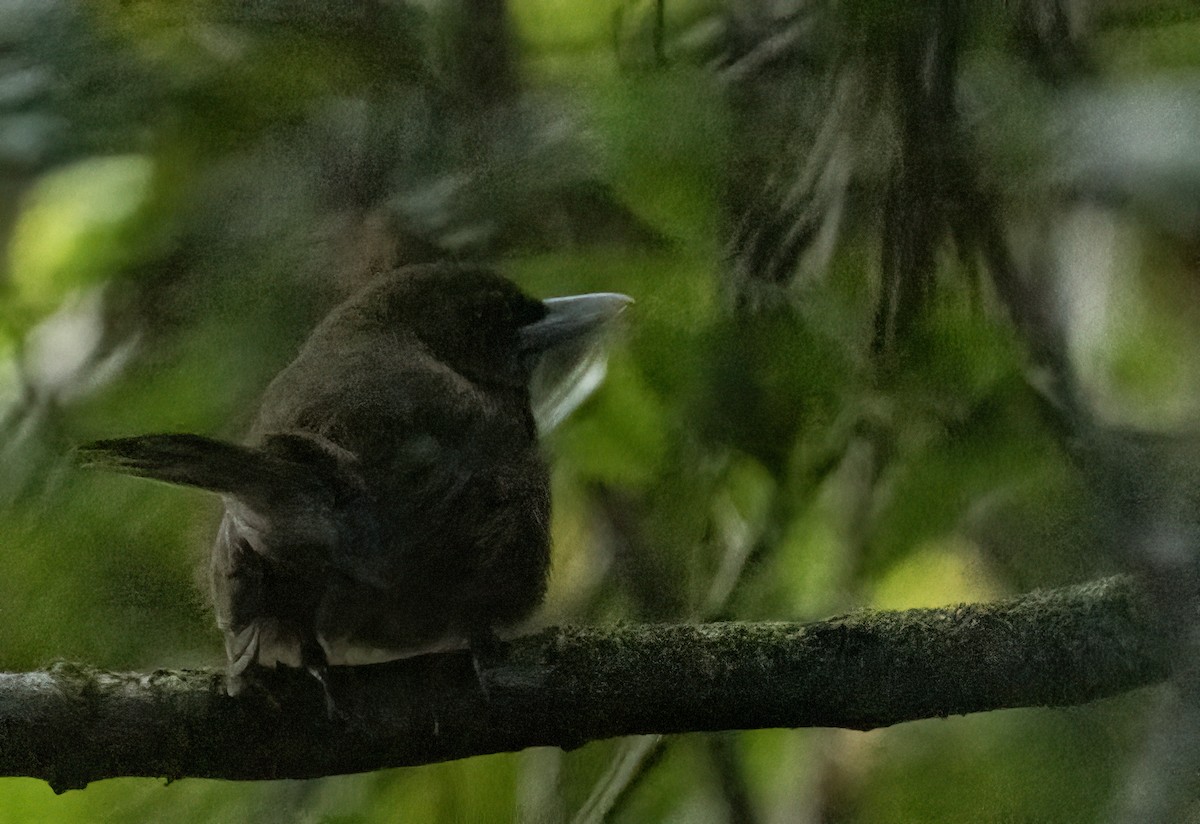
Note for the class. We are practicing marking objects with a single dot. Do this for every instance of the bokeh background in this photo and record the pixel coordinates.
(907, 280)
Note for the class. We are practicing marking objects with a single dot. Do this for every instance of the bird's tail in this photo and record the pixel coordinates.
(193, 460)
(283, 494)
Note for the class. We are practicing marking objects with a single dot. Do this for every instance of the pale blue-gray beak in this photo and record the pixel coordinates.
(572, 318)
(568, 345)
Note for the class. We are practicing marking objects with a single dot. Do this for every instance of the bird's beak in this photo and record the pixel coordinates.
(572, 319)
(568, 351)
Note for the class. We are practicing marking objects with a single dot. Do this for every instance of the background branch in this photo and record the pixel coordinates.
(566, 686)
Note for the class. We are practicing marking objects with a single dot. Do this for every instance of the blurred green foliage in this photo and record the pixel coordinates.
(187, 187)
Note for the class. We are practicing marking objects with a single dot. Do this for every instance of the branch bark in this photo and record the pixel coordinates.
(72, 724)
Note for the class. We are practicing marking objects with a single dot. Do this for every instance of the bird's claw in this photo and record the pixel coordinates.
(486, 651)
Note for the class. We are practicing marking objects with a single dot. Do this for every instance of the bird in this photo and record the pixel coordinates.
(390, 498)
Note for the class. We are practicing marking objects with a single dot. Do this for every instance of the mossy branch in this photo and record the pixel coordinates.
(73, 724)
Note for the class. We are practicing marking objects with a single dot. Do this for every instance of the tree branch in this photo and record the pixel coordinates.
(73, 724)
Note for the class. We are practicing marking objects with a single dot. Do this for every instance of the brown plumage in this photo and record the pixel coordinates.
(390, 497)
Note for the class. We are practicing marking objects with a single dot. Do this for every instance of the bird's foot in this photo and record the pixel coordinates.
(312, 658)
(252, 683)
(486, 651)
(332, 711)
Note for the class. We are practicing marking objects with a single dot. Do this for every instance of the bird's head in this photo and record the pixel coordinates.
(486, 329)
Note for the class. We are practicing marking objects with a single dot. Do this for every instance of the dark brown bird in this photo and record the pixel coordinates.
(390, 498)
